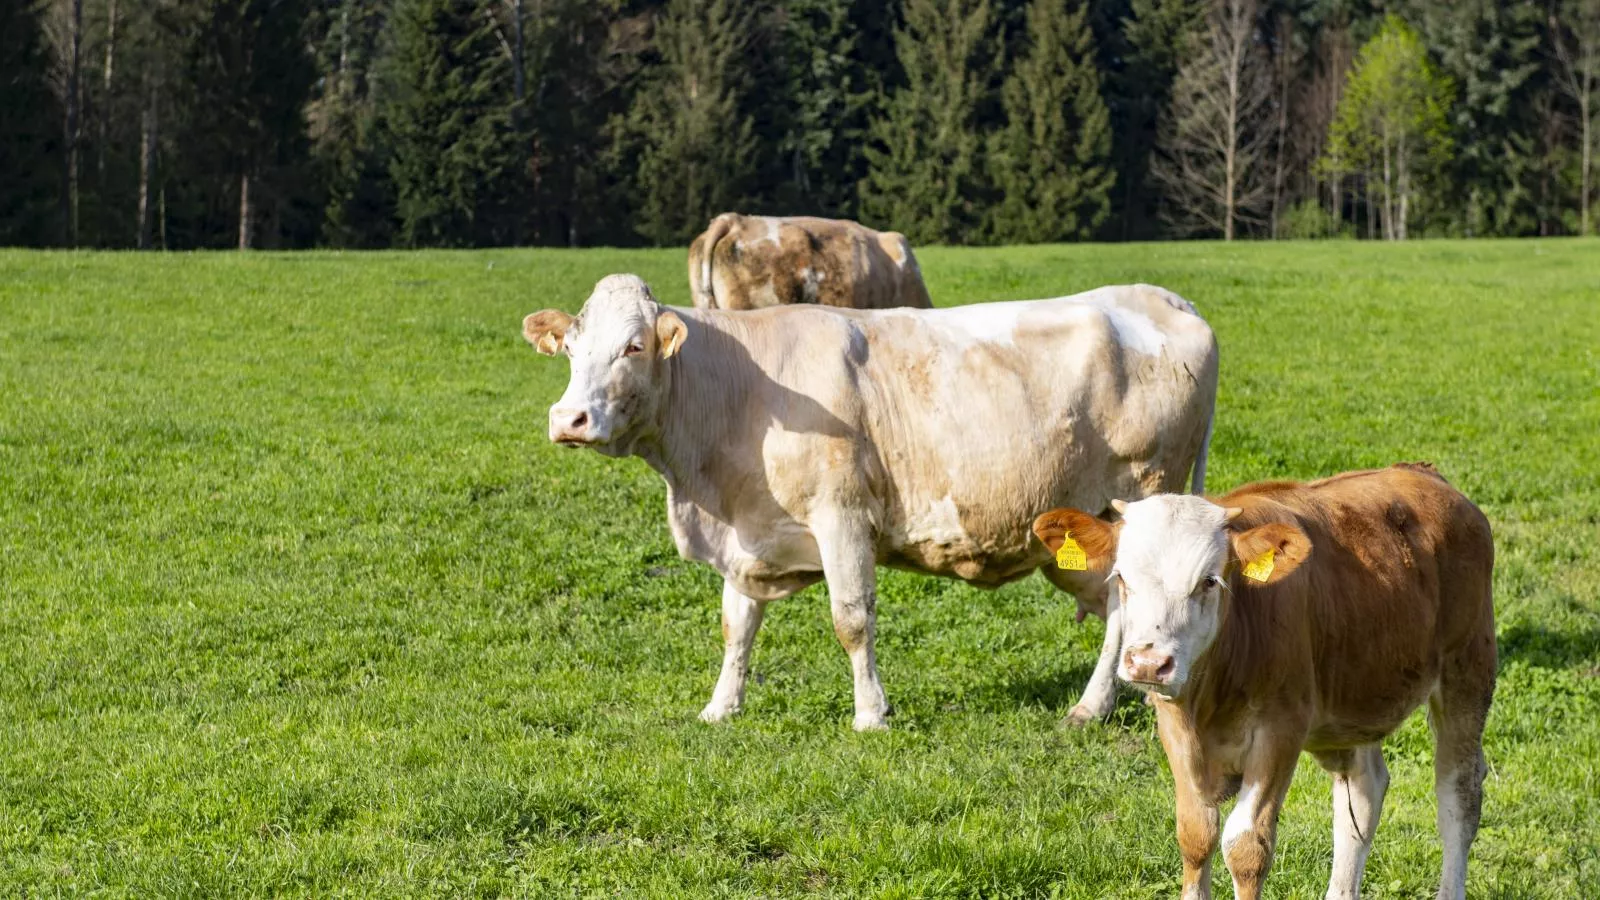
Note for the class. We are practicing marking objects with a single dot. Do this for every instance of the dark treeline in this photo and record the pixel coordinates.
(376, 123)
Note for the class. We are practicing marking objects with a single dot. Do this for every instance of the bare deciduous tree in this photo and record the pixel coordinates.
(1575, 32)
(1217, 133)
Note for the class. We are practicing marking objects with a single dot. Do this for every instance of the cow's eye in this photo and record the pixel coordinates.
(634, 349)
(1210, 582)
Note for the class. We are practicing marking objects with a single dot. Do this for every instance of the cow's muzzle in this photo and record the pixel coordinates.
(572, 427)
(1146, 665)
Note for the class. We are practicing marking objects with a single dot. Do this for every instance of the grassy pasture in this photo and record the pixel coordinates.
(295, 598)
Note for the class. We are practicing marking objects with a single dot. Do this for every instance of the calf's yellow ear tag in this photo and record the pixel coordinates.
(1261, 568)
(1071, 555)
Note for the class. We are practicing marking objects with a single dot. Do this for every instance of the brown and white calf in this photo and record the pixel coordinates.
(800, 444)
(1286, 617)
(749, 262)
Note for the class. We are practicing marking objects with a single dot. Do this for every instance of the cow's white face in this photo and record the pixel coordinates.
(1173, 560)
(1169, 577)
(617, 345)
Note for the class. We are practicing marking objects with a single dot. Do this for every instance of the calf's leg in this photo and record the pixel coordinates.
(1456, 712)
(1250, 834)
(741, 618)
(1360, 780)
(851, 571)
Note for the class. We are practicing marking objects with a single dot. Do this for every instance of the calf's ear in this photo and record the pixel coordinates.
(670, 333)
(1267, 554)
(1098, 538)
(546, 330)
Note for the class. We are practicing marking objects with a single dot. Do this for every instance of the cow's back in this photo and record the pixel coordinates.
(981, 416)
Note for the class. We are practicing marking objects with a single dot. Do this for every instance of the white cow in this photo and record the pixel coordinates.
(800, 443)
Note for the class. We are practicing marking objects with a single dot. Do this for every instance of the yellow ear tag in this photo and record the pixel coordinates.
(1261, 569)
(1071, 556)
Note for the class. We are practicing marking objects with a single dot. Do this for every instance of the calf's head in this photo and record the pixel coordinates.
(618, 346)
(1173, 561)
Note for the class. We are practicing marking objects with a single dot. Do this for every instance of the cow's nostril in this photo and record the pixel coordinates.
(1165, 671)
(580, 420)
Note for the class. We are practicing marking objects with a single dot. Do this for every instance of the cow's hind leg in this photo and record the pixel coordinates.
(741, 618)
(1456, 713)
(851, 570)
(1360, 780)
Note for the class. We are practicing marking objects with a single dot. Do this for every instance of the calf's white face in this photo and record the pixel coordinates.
(1169, 577)
(1169, 561)
(617, 346)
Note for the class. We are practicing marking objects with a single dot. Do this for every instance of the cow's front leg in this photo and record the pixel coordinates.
(1100, 695)
(846, 546)
(1250, 835)
(741, 618)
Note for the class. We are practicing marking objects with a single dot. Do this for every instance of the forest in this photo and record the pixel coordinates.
(185, 124)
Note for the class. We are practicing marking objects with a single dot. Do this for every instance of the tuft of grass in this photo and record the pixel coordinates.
(295, 598)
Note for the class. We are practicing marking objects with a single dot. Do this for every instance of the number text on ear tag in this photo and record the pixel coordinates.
(1071, 556)
(1261, 568)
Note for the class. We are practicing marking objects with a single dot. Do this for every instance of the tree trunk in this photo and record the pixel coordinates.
(105, 102)
(245, 223)
(74, 80)
(1587, 135)
(1388, 190)
(148, 124)
(1405, 188)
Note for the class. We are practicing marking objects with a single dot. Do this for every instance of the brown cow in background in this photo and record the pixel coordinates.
(748, 262)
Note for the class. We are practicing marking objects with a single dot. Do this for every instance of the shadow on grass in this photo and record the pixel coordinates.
(1059, 691)
(1549, 649)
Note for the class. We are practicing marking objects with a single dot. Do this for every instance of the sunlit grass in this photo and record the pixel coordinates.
(296, 599)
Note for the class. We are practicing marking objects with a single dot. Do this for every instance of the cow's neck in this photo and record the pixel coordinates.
(699, 414)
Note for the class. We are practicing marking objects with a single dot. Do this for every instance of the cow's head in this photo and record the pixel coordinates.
(1173, 559)
(618, 345)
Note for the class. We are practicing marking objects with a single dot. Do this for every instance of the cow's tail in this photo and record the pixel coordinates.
(700, 253)
(1197, 484)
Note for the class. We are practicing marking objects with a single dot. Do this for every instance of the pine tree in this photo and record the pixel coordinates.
(832, 93)
(348, 139)
(1575, 36)
(1392, 122)
(927, 177)
(694, 140)
(1140, 52)
(456, 161)
(30, 129)
(1489, 50)
(1051, 162)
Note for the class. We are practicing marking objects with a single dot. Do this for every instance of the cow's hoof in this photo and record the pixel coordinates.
(865, 722)
(715, 712)
(1081, 715)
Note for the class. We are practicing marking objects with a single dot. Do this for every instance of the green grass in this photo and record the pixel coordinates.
(296, 599)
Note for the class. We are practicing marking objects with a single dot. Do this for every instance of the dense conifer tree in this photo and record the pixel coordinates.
(1051, 162)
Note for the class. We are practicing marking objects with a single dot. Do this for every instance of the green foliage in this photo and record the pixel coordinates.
(299, 601)
(927, 177)
(1308, 220)
(834, 95)
(1051, 162)
(30, 119)
(695, 143)
(1392, 122)
(1490, 50)
(457, 155)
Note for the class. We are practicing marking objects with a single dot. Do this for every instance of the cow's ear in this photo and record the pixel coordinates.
(546, 330)
(1267, 554)
(670, 332)
(1096, 537)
